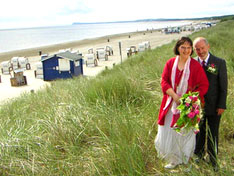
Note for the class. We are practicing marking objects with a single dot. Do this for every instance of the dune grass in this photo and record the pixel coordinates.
(106, 125)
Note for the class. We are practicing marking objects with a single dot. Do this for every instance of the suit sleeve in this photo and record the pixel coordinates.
(223, 83)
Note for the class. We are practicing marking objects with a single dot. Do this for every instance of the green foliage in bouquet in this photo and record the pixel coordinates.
(190, 113)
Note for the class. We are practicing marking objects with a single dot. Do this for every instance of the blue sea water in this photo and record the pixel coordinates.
(17, 39)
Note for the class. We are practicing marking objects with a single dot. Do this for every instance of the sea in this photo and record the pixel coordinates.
(26, 38)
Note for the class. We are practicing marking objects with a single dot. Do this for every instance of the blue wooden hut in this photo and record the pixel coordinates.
(62, 65)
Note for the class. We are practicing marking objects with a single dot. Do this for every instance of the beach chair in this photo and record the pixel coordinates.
(18, 78)
(24, 63)
(101, 54)
(147, 44)
(131, 50)
(6, 67)
(15, 63)
(39, 70)
(141, 47)
(144, 46)
(43, 56)
(91, 60)
(109, 50)
(167, 30)
(90, 51)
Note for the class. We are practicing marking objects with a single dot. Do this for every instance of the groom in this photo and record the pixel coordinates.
(215, 100)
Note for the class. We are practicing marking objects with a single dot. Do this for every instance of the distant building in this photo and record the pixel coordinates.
(62, 65)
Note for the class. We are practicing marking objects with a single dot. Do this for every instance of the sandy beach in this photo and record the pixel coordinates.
(156, 38)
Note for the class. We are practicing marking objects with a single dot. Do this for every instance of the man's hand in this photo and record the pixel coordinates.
(220, 111)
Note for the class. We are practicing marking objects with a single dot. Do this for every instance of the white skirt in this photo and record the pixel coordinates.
(172, 146)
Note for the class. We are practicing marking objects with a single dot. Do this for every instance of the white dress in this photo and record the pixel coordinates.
(172, 146)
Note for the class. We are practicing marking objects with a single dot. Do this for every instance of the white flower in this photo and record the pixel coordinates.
(212, 69)
(198, 102)
(188, 100)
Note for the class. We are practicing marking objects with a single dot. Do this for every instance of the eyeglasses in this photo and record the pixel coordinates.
(184, 48)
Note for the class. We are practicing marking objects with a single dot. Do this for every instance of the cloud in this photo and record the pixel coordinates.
(34, 13)
(26, 13)
(74, 10)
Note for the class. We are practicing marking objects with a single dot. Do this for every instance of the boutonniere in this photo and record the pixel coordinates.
(212, 69)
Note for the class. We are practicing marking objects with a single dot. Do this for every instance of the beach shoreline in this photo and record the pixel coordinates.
(53, 48)
(155, 37)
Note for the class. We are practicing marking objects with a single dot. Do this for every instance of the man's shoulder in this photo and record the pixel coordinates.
(217, 59)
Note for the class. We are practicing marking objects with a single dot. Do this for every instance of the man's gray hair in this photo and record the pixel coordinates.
(198, 39)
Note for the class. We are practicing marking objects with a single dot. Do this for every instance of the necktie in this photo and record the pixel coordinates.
(204, 64)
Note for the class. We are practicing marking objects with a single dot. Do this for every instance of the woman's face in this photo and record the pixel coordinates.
(185, 50)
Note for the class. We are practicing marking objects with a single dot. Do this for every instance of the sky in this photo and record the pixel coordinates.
(36, 13)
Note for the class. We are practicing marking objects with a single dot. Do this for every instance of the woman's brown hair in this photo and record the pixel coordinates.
(180, 42)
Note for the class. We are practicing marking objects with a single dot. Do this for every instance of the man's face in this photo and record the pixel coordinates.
(202, 49)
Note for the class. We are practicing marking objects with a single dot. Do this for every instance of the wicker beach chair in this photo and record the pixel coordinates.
(91, 60)
(6, 67)
(147, 45)
(131, 50)
(15, 63)
(90, 51)
(24, 63)
(101, 54)
(143, 46)
(109, 50)
(39, 70)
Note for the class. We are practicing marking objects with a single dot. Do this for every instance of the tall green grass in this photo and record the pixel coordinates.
(105, 125)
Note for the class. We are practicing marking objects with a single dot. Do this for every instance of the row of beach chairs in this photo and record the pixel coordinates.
(101, 53)
(141, 47)
(91, 58)
(14, 64)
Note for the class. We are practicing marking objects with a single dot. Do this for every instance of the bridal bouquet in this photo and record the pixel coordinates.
(190, 113)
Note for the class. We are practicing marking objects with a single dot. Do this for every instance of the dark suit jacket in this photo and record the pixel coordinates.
(217, 93)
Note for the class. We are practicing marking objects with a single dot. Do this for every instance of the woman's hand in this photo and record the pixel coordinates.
(176, 98)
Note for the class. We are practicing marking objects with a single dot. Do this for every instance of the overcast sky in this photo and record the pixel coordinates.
(35, 13)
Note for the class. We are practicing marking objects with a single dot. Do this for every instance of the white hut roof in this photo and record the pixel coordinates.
(67, 55)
